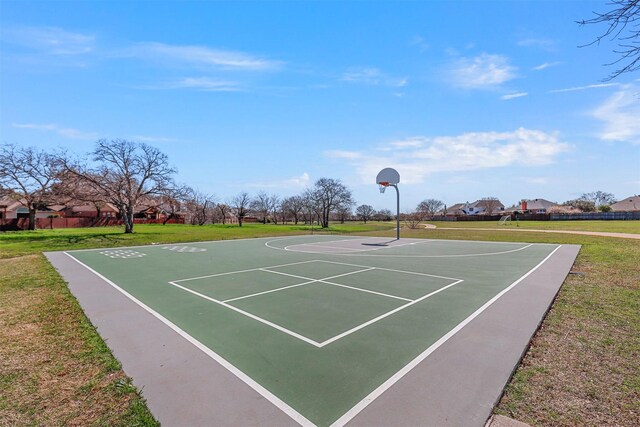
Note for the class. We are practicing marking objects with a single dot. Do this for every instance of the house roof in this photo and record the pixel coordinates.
(536, 204)
(631, 203)
(11, 204)
(484, 203)
(454, 208)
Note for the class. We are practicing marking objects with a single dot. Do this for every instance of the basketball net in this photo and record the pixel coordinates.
(383, 186)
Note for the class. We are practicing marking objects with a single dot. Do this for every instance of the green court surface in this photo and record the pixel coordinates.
(317, 324)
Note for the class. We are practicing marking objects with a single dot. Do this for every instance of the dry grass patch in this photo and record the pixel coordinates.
(54, 368)
(582, 367)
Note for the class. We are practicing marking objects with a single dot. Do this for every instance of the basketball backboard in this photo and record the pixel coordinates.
(389, 176)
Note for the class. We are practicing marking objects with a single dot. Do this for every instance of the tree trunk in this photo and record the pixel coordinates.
(128, 220)
(32, 218)
(240, 221)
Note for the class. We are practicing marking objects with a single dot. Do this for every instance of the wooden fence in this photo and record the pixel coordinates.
(51, 223)
(595, 216)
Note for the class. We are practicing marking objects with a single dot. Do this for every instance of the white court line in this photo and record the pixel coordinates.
(310, 280)
(243, 271)
(401, 373)
(363, 290)
(267, 244)
(270, 291)
(390, 269)
(284, 407)
(372, 321)
(253, 316)
(287, 248)
(323, 245)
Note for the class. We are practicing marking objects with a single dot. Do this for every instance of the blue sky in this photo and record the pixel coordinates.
(464, 99)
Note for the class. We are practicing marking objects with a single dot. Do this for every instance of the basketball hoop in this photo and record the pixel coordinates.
(390, 177)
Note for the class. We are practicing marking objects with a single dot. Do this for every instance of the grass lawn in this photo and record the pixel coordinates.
(581, 369)
(606, 226)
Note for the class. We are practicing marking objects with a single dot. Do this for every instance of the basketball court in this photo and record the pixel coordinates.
(319, 330)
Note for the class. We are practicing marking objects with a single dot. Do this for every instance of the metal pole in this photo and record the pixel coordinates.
(398, 212)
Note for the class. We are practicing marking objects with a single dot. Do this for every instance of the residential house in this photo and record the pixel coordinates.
(536, 206)
(631, 203)
(483, 207)
(455, 210)
(11, 209)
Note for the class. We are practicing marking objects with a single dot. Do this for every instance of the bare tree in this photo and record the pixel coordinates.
(327, 196)
(429, 207)
(264, 204)
(29, 175)
(224, 211)
(599, 198)
(199, 206)
(581, 204)
(383, 215)
(240, 204)
(275, 207)
(365, 212)
(491, 204)
(624, 27)
(293, 206)
(173, 200)
(412, 220)
(126, 172)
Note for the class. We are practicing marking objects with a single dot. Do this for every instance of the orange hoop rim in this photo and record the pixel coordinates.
(384, 184)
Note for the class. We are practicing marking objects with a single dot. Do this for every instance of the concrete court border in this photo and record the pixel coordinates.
(457, 385)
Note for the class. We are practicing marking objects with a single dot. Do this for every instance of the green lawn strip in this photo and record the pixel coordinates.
(57, 370)
(581, 368)
(618, 226)
(62, 239)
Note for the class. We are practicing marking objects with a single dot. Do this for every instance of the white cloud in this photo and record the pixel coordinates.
(620, 114)
(373, 76)
(539, 42)
(420, 42)
(513, 95)
(51, 40)
(545, 65)
(297, 182)
(62, 131)
(577, 88)
(206, 84)
(201, 55)
(481, 72)
(421, 156)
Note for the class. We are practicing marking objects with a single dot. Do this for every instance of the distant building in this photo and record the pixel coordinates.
(536, 206)
(455, 209)
(631, 203)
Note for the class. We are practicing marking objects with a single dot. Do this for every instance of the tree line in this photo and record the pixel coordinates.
(125, 174)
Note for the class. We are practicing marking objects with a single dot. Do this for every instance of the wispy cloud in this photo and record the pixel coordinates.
(147, 138)
(204, 84)
(50, 40)
(201, 55)
(296, 182)
(484, 71)
(546, 65)
(513, 95)
(372, 76)
(620, 114)
(421, 156)
(62, 131)
(577, 88)
(420, 43)
(539, 42)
